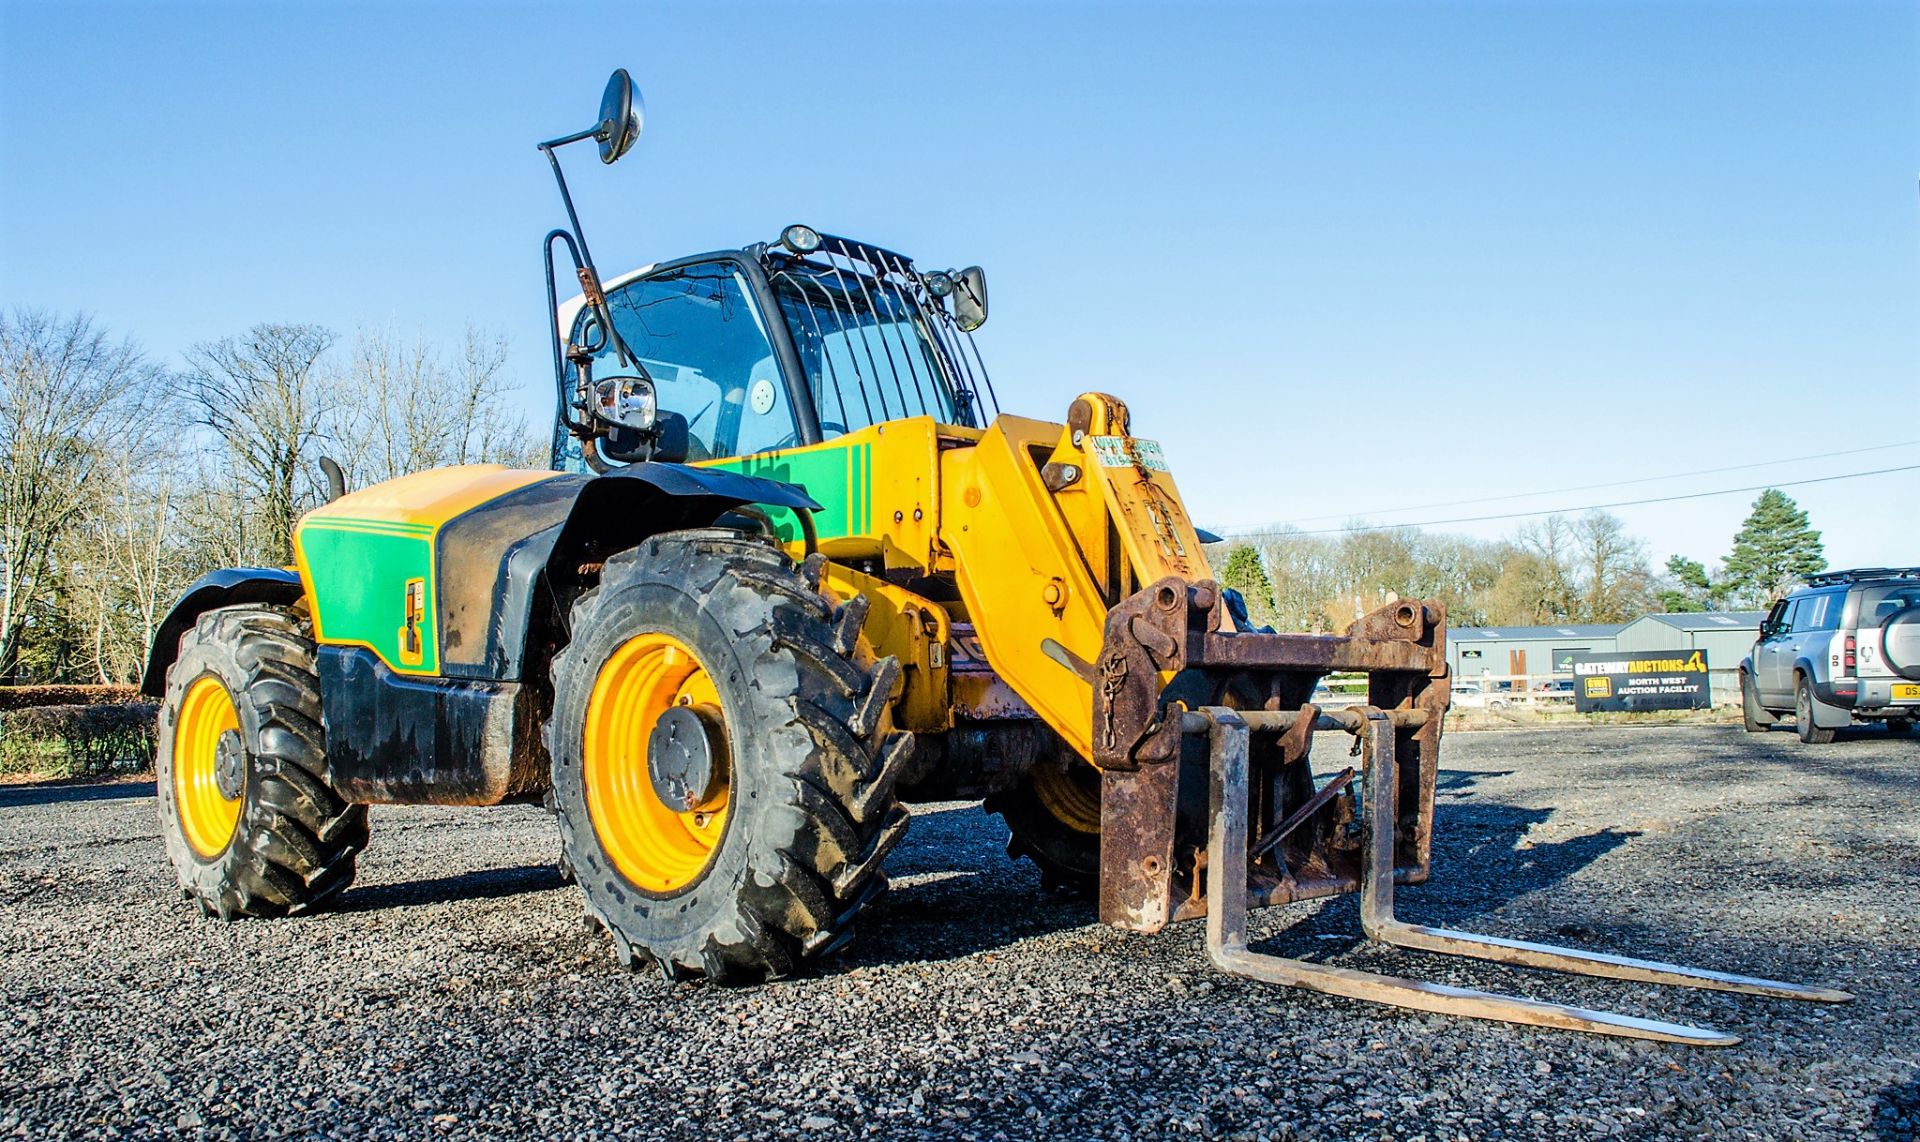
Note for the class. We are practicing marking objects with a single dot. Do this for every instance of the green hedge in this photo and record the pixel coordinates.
(26, 697)
(77, 742)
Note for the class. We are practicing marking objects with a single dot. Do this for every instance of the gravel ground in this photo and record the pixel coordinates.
(455, 992)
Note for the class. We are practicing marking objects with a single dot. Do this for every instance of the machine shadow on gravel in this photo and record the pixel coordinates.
(956, 893)
(1896, 1112)
(485, 884)
(1479, 867)
(50, 793)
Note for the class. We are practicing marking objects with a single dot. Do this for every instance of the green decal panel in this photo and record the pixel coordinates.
(838, 476)
(358, 572)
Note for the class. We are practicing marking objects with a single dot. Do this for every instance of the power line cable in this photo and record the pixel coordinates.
(1606, 484)
(1270, 532)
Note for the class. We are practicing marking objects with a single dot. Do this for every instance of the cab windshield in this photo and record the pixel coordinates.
(870, 351)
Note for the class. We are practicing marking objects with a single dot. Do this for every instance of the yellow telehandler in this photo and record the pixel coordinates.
(790, 568)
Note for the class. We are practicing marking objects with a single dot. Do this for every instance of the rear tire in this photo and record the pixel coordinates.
(249, 822)
(1053, 819)
(1755, 717)
(1803, 713)
(768, 868)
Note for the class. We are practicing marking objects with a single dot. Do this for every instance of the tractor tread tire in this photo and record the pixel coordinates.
(1068, 860)
(297, 840)
(812, 815)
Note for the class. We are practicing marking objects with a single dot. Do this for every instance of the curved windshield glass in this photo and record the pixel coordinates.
(865, 349)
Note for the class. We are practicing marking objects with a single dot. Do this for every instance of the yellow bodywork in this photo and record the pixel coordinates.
(1042, 526)
(1039, 527)
(1049, 526)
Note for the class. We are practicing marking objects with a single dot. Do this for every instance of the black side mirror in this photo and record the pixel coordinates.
(622, 114)
(668, 441)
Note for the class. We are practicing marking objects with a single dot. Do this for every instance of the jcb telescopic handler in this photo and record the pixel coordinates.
(790, 568)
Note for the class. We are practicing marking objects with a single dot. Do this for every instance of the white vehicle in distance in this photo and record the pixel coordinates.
(1844, 649)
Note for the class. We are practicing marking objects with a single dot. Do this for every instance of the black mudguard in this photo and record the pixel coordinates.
(228, 587)
(499, 563)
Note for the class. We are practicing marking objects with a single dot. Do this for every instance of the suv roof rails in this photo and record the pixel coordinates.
(1860, 574)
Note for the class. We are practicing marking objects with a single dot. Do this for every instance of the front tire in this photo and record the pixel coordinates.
(752, 848)
(249, 822)
(1803, 713)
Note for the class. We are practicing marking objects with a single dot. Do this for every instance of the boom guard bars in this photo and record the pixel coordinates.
(1209, 810)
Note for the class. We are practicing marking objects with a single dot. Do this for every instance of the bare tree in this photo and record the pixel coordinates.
(1551, 572)
(68, 398)
(404, 407)
(137, 557)
(1615, 582)
(260, 394)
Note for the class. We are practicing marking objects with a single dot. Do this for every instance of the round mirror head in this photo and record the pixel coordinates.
(622, 113)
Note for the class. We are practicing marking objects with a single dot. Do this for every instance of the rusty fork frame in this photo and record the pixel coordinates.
(1228, 734)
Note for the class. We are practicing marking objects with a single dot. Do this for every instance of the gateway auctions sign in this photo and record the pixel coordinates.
(1641, 680)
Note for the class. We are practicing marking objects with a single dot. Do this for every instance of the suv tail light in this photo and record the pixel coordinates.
(1847, 654)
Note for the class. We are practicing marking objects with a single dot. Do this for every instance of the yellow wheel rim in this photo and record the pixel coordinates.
(207, 816)
(1071, 794)
(656, 848)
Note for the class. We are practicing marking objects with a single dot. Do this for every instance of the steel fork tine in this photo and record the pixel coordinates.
(1227, 918)
(1382, 795)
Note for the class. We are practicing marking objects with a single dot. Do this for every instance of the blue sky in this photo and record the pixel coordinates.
(1338, 258)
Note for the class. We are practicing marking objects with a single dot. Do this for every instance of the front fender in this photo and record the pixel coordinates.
(505, 564)
(228, 587)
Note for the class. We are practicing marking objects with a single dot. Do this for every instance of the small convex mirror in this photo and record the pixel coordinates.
(622, 114)
(970, 298)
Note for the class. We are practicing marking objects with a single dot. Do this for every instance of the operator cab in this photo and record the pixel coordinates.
(776, 346)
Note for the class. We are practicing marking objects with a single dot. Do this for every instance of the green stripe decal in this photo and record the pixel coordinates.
(384, 527)
(839, 478)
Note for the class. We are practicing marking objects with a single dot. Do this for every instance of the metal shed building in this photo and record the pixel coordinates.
(1726, 636)
(1498, 651)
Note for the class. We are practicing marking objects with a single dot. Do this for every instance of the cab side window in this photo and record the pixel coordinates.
(1780, 621)
(705, 345)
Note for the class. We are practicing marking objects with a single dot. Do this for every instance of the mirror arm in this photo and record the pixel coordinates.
(590, 452)
(583, 257)
(576, 427)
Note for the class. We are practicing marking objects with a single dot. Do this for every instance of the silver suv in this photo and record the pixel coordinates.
(1843, 649)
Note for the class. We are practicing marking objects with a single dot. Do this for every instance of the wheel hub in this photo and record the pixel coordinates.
(687, 759)
(230, 765)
